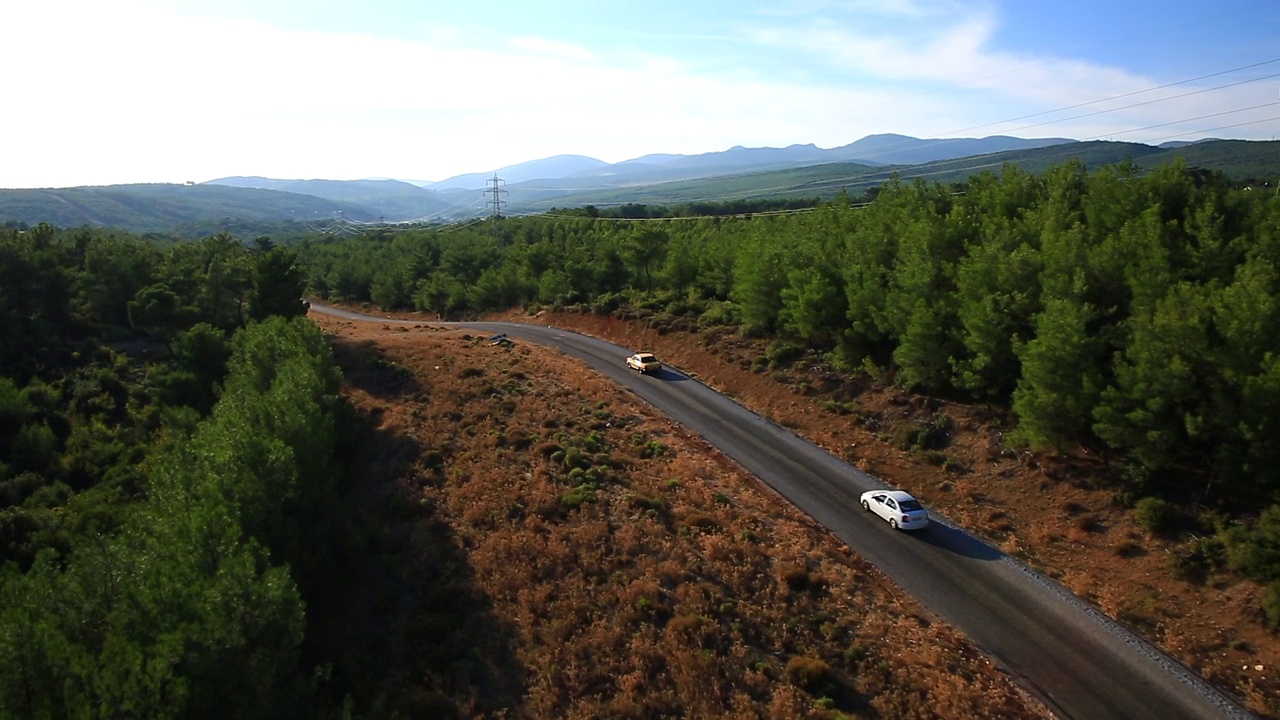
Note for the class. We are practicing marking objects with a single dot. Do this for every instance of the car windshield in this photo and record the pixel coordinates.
(911, 505)
(646, 358)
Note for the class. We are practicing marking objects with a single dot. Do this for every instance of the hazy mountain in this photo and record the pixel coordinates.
(891, 149)
(742, 157)
(1247, 161)
(393, 200)
(798, 171)
(162, 207)
(558, 166)
(564, 171)
(1184, 143)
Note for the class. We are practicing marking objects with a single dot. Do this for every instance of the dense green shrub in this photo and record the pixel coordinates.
(1157, 515)
(1254, 550)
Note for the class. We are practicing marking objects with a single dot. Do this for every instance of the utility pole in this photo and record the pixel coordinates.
(496, 190)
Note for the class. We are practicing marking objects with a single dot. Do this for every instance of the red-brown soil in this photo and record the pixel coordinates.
(687, 589)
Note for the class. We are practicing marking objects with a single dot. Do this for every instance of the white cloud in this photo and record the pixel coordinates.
(128, 91)
(542, 46)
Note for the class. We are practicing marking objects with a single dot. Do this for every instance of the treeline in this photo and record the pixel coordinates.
(637, 211)
(169, 478)
(1132, 314)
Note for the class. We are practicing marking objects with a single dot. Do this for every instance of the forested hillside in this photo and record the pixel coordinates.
(1132, 314)
(179, 515)
(168, 429)
(194, 522)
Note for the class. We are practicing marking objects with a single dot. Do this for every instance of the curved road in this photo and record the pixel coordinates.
(1075, 659)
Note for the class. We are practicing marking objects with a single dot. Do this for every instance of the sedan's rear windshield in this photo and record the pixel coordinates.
(910, 505)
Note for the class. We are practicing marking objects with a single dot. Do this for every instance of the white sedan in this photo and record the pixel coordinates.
(644, 362)
(899, 508)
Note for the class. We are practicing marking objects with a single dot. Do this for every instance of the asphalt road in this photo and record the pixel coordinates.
(1079, 662)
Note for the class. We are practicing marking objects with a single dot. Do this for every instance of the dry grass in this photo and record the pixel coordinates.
(613, 566)
(1058, 514)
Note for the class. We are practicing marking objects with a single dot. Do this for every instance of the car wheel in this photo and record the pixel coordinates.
(893, 523)
(866, 506)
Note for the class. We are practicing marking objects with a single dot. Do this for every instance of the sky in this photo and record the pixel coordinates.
(102, 92)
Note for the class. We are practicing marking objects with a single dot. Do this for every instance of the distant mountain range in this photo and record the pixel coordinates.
(875, 150)
(239, 204)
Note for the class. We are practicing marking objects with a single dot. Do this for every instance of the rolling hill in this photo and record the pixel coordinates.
(162, 207)
(797, 171)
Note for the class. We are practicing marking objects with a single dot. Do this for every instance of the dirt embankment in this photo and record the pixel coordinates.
(1052, 512)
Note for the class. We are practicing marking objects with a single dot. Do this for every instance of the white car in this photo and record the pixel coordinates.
(899, 508)
(643, 362)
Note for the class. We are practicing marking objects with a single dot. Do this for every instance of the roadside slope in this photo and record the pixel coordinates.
(635, 571)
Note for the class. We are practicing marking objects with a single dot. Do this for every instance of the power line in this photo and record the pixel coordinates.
(1125, 95)
(894, 146)
(1150, 102)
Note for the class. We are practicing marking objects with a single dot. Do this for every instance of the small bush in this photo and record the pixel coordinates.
(433, 460)
(585, 493)
(839, 408)
(811, 674)
(933, 457)
(781, 354)
(1157, 515)
(1255, 551)
(719, 313)
(702, 522)
(607, 303)
(645, 503)
(684, 624)
(796, 578)
(854, 654)
(1271, 606)
(923, 437)
(573, 458)
(653, 449)
(1194, 563)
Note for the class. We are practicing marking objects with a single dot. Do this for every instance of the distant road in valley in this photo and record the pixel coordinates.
(1079, 662)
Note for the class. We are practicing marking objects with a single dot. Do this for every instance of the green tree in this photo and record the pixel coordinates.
(278, 285)
(997, 296)
(813, 305)
(214, 276)
(157, 310)
(1156, 408)
(759, 274)
(1061, 381)
(643, 251)
(199, 359)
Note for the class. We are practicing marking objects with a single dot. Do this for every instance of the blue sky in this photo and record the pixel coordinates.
(118, 91)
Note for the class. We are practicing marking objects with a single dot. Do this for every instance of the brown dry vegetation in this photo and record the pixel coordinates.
(620, 567)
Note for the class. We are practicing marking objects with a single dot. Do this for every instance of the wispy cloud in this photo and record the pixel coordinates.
(554, 48)
(135, 90)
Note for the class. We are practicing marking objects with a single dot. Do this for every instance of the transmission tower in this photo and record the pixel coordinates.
(496, 202)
